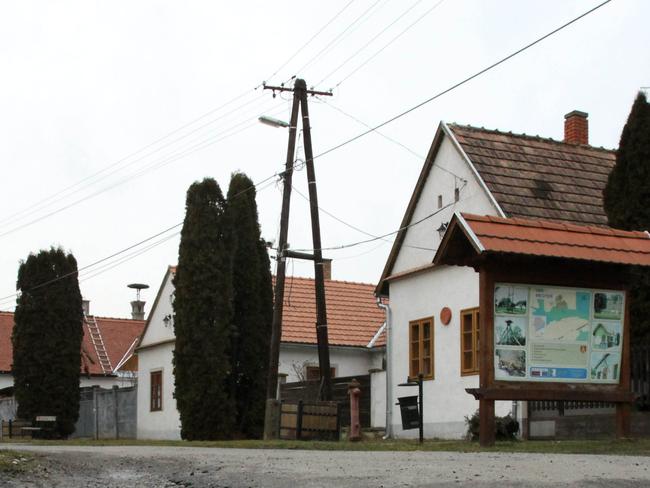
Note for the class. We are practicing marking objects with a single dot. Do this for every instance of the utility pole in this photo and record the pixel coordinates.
(300, 94)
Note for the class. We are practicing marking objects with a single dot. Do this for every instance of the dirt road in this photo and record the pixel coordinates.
(144, 466)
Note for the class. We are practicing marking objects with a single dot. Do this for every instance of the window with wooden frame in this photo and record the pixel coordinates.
(421, 348)
(156, 390)
(469, 342)
(313, 373)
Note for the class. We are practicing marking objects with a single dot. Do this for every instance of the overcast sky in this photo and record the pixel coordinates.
(133, 89)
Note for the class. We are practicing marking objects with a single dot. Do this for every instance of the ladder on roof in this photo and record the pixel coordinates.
(98, 344)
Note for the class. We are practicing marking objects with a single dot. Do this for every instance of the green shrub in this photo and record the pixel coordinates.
(506, 427)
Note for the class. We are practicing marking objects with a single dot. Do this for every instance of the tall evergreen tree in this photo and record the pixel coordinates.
(252, 305)
(626, 200)
(47, 338)
(202, 317)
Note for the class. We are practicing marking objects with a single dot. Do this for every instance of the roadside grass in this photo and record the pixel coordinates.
(13, 462)
(629, 447)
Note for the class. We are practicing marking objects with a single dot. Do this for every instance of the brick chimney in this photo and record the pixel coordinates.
(576, 127)
(327, 268)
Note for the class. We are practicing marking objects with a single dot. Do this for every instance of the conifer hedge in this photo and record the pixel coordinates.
(47, 339)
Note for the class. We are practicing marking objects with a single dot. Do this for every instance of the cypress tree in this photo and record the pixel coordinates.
(626, 198)
(252, 307)
(202, 317)
(47, 339)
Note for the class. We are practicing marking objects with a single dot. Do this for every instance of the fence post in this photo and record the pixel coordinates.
(10, 432)
(299, 420)
(117, 428)
(95, 412)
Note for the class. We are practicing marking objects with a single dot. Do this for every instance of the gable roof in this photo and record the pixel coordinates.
(118, 336)
(523, 176)
(353, 317)
(171, 271)
(470, 235)
(538, 178)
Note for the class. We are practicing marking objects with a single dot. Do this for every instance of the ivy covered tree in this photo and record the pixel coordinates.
(47, 339)
(202, 317)
(626, 198)
(252, 307)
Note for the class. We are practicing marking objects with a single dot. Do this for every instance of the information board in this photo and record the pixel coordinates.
(557, 334)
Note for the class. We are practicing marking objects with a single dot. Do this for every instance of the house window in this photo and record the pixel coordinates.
(469, 341)
(313, 373)
(156, 391)
(421, 348)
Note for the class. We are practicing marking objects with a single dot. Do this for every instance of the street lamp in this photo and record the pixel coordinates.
(272, 121)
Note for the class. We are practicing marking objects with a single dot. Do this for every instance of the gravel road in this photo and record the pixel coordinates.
(143, 466)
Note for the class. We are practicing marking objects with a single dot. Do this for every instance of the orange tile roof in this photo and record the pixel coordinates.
(353, 317)
(554, 239)
(118, 336)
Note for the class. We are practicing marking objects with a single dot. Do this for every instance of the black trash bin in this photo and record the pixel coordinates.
(410, 412)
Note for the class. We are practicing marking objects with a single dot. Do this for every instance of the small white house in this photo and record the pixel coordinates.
(355, 325)
(434, 325)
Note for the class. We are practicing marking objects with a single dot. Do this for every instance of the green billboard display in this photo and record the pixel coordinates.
(557, 334)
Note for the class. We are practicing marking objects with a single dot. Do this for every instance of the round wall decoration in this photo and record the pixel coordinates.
(445, 316)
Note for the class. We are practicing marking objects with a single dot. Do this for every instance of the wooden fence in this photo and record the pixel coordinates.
(13, 429)
(309, 391)
(310, 420)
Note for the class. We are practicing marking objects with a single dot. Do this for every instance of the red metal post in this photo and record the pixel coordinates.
(355, 425)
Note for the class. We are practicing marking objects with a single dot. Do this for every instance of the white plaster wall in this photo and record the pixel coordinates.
(163, 424)
(473, 199)
(6, 380)
(445, 401)
(157, 331)
(378, 399)
(348, 361)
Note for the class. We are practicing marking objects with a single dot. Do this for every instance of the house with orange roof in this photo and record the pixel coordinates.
(356, 340)
(434, 323)
(107, 350)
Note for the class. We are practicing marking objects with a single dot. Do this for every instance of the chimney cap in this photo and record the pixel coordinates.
(577, 113)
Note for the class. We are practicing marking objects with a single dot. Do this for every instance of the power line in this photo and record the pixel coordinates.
(133, 246)
(311, 39)
(409, 27)
(339, 37)
(356, 53)
(394, 141)
(130, 177)
(462, 82)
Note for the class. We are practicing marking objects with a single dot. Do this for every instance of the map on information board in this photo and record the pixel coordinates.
(557, 334)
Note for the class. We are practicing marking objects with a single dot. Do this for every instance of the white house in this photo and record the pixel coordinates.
(482, 172)
(355, 325)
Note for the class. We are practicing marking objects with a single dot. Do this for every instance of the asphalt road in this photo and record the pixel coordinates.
(144, 466)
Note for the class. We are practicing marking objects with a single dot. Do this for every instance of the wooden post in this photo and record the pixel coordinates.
(623, 409)
(299, 420)
(487, 425)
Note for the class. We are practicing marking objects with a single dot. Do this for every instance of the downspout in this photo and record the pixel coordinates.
(389, 376)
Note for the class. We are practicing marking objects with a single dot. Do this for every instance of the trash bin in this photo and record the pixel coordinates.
(410, 412)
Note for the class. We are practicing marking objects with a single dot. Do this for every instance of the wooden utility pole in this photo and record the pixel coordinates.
(300, 94)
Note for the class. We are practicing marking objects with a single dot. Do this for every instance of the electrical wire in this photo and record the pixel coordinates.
(409, 27)
(394, 141)
(311, 39)
(464, 81)
(358, 51)
(342, 35)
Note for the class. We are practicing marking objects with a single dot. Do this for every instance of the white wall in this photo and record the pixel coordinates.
(440, 182)
(424, 295)
(378, 399)
(348, 361)
(157, 331)
(6, 380)
(165, 423)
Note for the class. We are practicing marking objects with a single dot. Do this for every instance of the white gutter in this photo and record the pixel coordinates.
(389, 375)
(464, 155)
